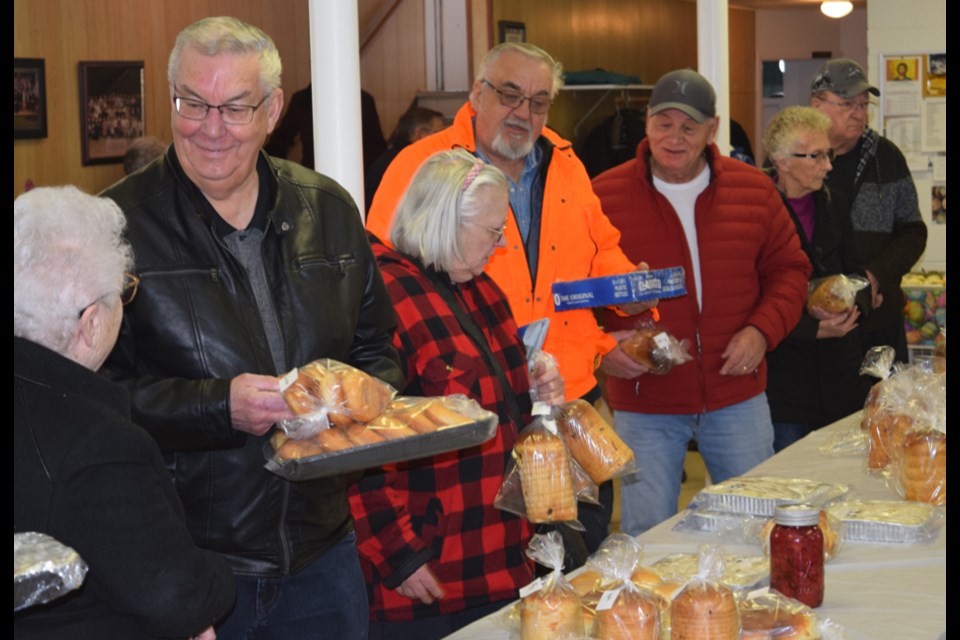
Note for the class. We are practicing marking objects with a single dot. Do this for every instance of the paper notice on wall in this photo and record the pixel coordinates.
(934, 118)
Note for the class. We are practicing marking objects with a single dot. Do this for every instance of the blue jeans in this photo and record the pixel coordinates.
(786, 433)
(328, 599)
(731, 440)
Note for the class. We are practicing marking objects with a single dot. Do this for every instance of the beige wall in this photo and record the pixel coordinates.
(795, 33)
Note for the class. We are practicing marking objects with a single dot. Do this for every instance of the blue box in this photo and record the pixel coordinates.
(636, 286)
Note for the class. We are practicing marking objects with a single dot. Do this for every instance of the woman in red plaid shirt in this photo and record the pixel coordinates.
(435, 552)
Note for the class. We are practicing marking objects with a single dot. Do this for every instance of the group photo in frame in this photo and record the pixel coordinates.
(111, 109)
(29, 99)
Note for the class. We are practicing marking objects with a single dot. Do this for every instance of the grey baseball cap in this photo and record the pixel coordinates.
(843, 77)
(687, 91)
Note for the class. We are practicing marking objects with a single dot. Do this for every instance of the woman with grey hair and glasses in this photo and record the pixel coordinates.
(813, 376)
(83, 473)
(435, 552)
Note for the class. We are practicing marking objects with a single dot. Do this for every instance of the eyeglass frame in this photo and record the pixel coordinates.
(829, 155)
(219, 107)
(496, 231)
(851, 105)
(128, 291)
(505, 96)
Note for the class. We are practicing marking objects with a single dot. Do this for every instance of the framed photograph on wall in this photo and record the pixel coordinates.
(512, 31)
(29, 98)
(111, 109)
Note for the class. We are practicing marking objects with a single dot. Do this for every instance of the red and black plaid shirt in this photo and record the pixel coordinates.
(440, 510)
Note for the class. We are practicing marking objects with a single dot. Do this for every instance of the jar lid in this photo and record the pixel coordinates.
(797, 515)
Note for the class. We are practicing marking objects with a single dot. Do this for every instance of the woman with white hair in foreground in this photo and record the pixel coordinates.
(83, 473)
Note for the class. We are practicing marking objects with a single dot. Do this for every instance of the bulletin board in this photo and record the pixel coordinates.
(913, 114)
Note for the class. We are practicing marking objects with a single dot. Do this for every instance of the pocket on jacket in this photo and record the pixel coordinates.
(450, 373)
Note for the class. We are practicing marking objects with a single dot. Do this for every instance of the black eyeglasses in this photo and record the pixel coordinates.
(513, 99)
(230, 113)
(820, 156)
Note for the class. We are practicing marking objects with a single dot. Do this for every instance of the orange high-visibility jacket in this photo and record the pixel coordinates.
(576, 241)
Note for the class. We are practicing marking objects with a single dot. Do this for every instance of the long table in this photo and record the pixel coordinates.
(875, 591)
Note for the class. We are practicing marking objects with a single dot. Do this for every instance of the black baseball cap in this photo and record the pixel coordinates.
(843, 77)
(687, 91)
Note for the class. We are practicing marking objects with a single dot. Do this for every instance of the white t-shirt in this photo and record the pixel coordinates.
(683, 197)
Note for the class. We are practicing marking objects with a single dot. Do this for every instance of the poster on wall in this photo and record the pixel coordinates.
(111, 109)
(935, 75)
(29, 98)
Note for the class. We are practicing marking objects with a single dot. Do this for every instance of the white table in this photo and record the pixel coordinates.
(876, 591)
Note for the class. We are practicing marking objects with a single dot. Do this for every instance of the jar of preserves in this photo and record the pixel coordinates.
(796, 554)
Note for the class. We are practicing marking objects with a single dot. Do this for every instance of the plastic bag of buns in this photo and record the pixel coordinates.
(550, 608)
(593, 442)
(655, 348)
(834, 294)
(766, 614)
(327, 392)
(918, 468)
(404, 416)
(619, 609)
(705, 609)
(543, 482)
(908, 399)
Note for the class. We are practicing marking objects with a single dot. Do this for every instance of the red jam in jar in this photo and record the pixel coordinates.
(796, 554)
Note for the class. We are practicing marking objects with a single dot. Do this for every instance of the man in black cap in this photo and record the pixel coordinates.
(871, 173)
(680, 202)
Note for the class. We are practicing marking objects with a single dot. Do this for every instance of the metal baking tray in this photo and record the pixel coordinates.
(890, 521)
(760, 496)
(741, 573)
(454, 438)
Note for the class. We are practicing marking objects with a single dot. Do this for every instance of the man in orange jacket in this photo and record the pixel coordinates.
(556, 230)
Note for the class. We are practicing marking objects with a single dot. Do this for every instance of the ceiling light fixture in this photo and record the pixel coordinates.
(836, 8)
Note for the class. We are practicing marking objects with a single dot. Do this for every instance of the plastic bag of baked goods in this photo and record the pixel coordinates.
(404, 417)
(327, 392)
(539, 359)
(766, 614)
(918, 469)
(592, 441)
(706, 609)
(622, 610)
(549, 607)
(878, 362)
(543, 482)
(908, 398)
(834, 294)
(655, 348)
(43, 569)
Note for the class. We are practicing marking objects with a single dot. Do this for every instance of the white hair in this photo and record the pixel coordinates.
(437, 202)
(224, 34)
(531, 51)
(68, 252)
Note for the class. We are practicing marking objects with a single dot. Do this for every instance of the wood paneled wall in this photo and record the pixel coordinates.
(392, 66)
(645, 38)
(64, 32)
(638, 37)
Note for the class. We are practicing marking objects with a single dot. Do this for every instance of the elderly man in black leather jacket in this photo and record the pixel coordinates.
(250, 266)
